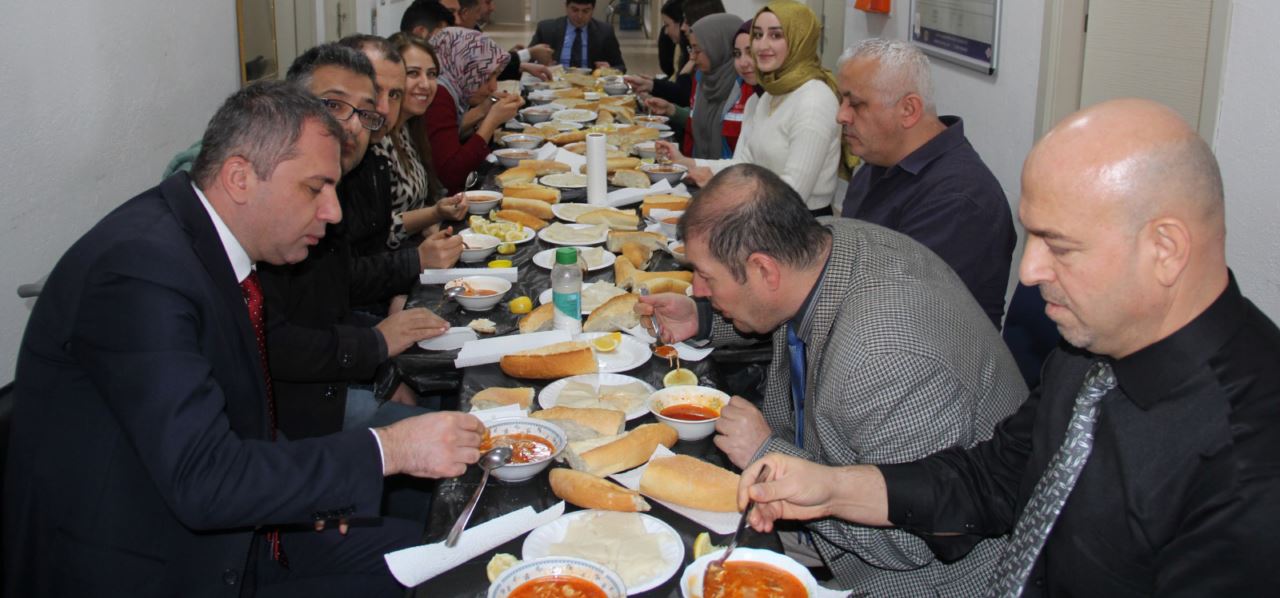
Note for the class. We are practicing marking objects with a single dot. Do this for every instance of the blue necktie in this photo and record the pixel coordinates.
(575, 50)
(796, 348)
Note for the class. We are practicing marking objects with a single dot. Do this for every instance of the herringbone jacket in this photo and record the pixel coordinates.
(901, 363)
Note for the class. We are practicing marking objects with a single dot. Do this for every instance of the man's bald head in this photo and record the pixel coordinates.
(1122, 204)
(1139, 153)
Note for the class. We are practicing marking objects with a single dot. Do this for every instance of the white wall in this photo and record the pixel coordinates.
(1248, 147)
(97, 97)
(999, 111)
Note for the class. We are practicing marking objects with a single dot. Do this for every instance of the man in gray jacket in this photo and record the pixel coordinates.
(880, 355)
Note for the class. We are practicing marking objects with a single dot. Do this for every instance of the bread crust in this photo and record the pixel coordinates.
(593, 492)
(559, 360)
(691, 482)
(627, 452)
(606, 422)
(615, 314)
(521, 218)
(538, 320)
(532, 191)
(537, 208)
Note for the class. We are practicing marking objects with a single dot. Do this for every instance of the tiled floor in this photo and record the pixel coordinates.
(641, 54)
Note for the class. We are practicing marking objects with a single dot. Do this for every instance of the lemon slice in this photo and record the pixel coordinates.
(476, 222)
(680, 377)
(521, 305)
(608, 342)
(513, 236)
(499, 563)
(702, 545)
(506, 249)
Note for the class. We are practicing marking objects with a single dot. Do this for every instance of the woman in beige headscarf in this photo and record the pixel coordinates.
(792, 130)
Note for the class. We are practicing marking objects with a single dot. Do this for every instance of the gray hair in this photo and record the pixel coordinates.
(260, 123)
(904, 68)
(748, 209)
(329, 54)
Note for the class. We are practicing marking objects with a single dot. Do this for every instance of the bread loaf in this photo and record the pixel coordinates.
(630, 177)
(645, 238)
(496, 396)
(538, 320)
(663, 202)
(533, 207)
(601, 422)
(655, 286)
(613, 165)
(517, 175)
(521, 218)
(690, 482)
(544, 167)
(625, 453)
(531, 191)
(618, 313)
(569, 137)
(559, 360)
(594, 492)
(637, 254)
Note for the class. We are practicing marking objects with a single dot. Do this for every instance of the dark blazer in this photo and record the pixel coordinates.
(602, 44)
(138, 463)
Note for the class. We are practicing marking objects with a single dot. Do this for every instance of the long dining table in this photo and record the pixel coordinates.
(737, 370)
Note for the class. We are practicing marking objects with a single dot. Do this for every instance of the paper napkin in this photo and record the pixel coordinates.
(720, 523)
(490, 350)
(443, 276)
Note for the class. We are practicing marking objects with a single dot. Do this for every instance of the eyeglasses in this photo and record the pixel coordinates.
(342, 111)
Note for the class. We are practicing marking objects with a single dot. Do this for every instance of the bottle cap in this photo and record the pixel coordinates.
(567, 255)
(500, 264)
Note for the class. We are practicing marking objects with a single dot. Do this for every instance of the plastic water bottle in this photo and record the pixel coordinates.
(566, 291)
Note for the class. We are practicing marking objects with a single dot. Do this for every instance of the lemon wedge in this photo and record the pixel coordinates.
(607, 343)
(702, 545)
(680, 377)
(513, 236)
(476, 222)
(506, 249)
(499, 563)
(521, 305)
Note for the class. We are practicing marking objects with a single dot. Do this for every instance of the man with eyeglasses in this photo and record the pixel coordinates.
(324, 354)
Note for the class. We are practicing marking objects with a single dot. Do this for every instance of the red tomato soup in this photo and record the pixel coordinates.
(525, 448)
(748, 578)
(693, 413)
(557, 586)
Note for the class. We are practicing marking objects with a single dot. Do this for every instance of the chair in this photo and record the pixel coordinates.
(631, 8)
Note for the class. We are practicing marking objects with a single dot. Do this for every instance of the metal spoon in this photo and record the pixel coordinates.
(489, 461)
(716, 567)
(448, 295)
(472, 180)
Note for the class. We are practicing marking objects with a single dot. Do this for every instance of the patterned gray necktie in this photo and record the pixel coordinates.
(1053, 488)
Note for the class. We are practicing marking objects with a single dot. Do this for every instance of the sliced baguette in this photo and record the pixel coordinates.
(691, 482)
(534, 207)
(517, 175)
(568, 137)
(594, 492)
(521, 218)
(655, 286)
(630, 177)
(544, 167)
(532, 191)
(497, 396)
(559, 360)
(602, 422)
(538, 320)
(618, 313)
(639, 255)
(645, 238)
(625, 453)
(613, 165)
(663, 202)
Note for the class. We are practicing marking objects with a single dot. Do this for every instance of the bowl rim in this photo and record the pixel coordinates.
(649, 168)
(484, 238)
(483, 279)
(526, 135)
(620, 587)
(654, 398)
(699, 566)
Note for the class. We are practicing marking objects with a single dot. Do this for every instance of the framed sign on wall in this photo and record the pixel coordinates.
(966, 32)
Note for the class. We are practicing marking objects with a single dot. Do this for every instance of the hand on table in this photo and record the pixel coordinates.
(676, 314)
(660, 106)
(434, 445)
(741, 431)
(672, 152)
(453, 207)
(406, 327)
(541, 54)
(538, 70)
(440, 250)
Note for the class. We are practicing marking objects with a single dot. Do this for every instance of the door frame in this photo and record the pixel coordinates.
(1062, 63)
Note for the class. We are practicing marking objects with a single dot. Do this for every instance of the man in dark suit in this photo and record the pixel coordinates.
(144, 459)
(577, 40)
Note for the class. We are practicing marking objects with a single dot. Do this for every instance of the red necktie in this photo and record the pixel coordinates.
(252, 290)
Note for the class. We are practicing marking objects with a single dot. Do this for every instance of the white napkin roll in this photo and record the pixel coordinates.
(412, 566)
(490, 350)
(597, 169)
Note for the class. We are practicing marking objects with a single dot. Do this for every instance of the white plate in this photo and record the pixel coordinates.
(547, 398)
(604, 235)
(629, 355)
(545, 297)
(574, 115)
(565, 180)
(546, 258)
(529, 234)
(539, 541)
